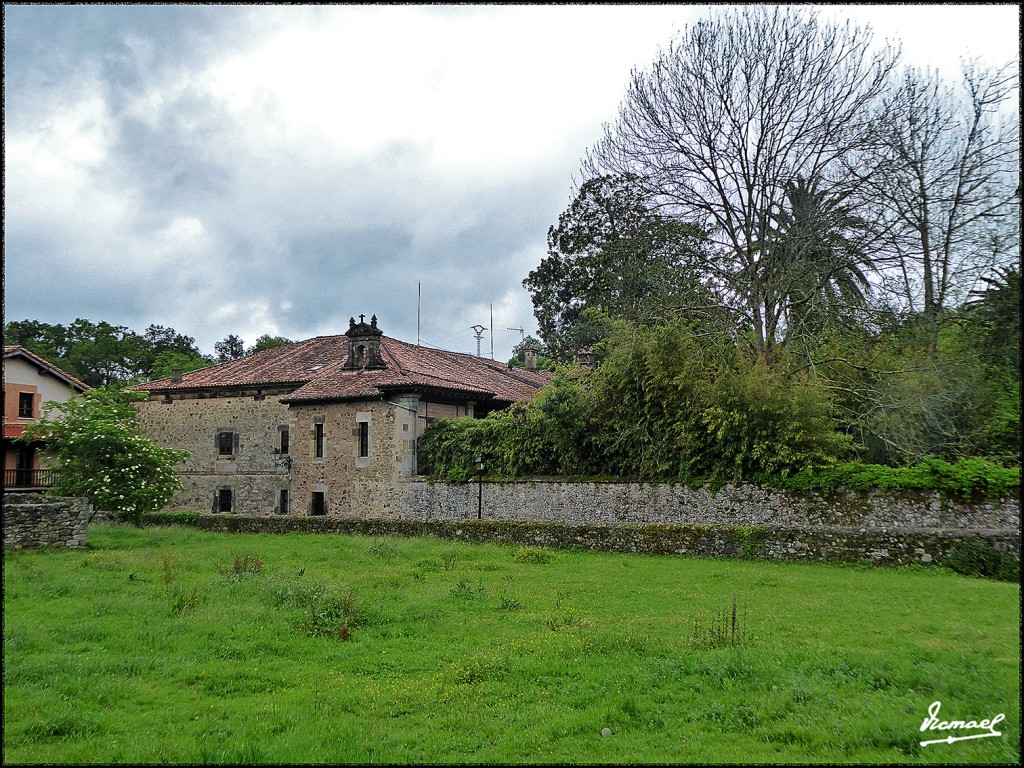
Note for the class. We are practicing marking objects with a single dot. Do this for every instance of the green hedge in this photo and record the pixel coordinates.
(968, 478)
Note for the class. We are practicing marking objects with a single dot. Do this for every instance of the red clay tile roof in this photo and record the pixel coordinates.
(11, 431)
(315, 368)
(16, 351)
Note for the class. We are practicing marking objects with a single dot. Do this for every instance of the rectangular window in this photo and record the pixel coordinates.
(25, 400)
(364, 439)
(224, 500)
(319, 503)
(225, 443)
(318, 441)
(283, 509)
(284, 442)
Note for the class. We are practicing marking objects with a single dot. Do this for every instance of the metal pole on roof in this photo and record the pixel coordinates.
(418, 296)
(492, 332)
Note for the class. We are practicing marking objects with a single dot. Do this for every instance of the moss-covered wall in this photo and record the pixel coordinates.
(823, 544)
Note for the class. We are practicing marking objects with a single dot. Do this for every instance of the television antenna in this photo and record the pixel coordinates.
(522, 333)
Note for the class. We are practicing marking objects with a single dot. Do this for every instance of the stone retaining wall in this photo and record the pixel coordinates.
(33, 520)
(615, 503)
(822, 544)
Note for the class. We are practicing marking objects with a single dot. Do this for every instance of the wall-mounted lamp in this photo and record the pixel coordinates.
(281, 460)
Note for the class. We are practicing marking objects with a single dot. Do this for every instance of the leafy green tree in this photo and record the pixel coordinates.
(104, 455)
(518, 358)
(166, 362)
(994, 311)
(231, 347)
(266, 341)
(97, 353)
(611, 253)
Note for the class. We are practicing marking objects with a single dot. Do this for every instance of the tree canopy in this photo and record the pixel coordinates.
(614, 255)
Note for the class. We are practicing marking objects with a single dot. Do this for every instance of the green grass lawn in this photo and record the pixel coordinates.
(176, 645)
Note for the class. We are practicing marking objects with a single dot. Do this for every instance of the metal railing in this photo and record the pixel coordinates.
(18, 479)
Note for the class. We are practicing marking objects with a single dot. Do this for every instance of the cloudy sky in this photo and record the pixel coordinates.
(278, 169)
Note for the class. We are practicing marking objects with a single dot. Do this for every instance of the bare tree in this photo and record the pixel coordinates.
(742, 105)
(946, 178)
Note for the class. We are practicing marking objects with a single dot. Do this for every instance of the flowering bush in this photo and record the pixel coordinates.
(104, 455)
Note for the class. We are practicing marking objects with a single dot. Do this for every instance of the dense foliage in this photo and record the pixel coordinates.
(104, 455)
(675, 402)
(100, 353)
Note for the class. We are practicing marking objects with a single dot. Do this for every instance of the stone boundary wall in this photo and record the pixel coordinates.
(32, 520)
(822, 544)
(615, 503)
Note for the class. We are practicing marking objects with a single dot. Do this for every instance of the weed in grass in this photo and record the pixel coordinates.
(509, 604)
(533, 555)
(328, 615)
(383, 550)
(181, 600)
(448, 561)
(466, 590)
(246, 565)
(725, 627)
(170, 568)
(563, 616)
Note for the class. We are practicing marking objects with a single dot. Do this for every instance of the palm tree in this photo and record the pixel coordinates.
(817, 260)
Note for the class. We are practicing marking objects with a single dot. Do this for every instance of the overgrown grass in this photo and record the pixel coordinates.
(170, 645)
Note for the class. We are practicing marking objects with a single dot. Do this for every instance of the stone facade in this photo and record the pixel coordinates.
(353, 484)
(250, 471)
(32, 520)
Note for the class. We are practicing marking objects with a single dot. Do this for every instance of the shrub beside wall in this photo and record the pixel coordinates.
(33, 520)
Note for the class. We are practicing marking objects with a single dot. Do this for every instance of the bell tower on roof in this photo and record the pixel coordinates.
(364, 345)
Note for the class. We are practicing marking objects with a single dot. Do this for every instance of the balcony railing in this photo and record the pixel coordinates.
(24, 479)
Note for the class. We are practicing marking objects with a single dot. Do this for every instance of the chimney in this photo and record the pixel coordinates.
(176, 376)
(586, 358)
(530, 355)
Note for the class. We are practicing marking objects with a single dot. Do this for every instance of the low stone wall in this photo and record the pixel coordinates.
(615, 503)
(33, 520)
(822, 544)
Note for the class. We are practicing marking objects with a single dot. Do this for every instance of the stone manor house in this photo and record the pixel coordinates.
(326, 426)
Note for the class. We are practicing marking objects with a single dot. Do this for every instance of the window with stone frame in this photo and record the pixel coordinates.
(284, 441)
(282, 508)
(223, 500)
(318, 505)
(318, 440)
(364, 439)
(227, 442)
